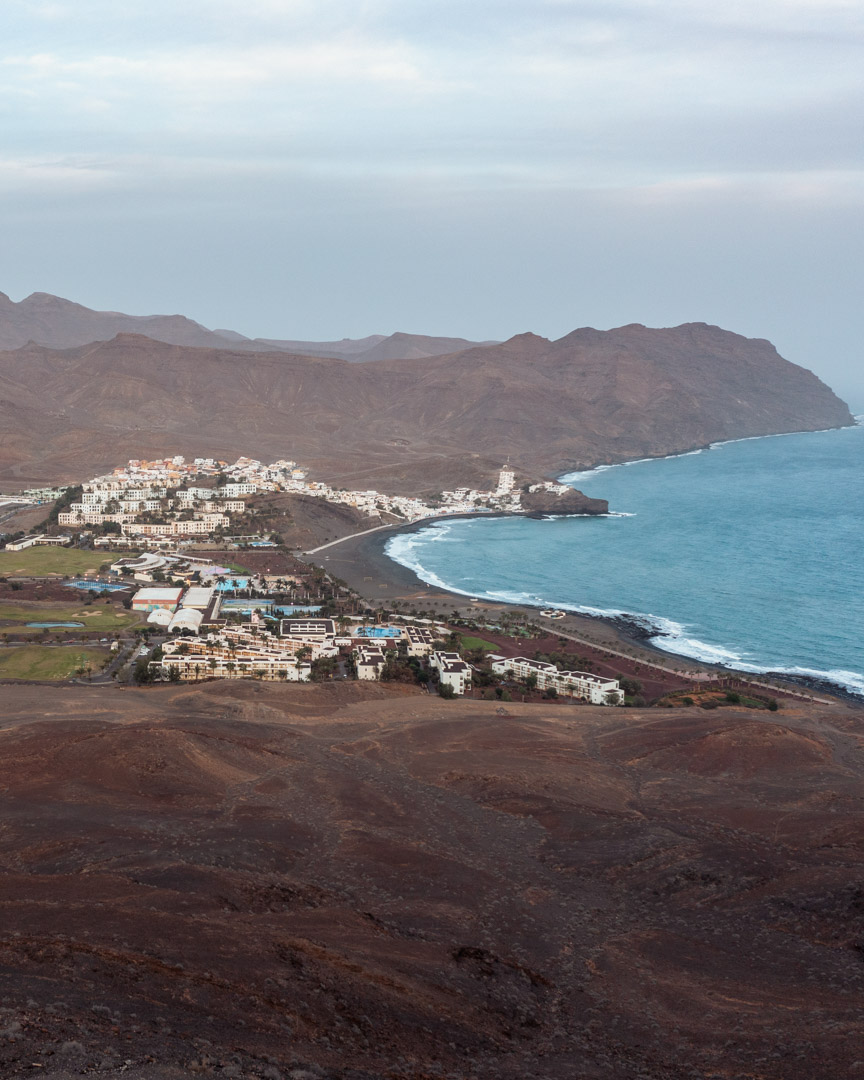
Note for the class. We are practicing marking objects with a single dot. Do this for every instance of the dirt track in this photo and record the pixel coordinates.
(347, 881)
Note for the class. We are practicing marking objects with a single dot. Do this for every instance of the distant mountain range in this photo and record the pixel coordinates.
(401, 424)
(61, 324)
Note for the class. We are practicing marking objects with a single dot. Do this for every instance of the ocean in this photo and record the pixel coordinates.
(750, 554)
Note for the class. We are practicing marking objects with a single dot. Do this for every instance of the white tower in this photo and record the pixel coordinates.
(506, 480)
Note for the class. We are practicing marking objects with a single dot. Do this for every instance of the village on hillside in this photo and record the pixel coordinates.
(179, 531)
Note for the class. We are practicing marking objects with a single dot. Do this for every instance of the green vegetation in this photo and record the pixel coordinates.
(37, 561)
(42, 662)
(478, 643)
(93, 617)
(322, 669)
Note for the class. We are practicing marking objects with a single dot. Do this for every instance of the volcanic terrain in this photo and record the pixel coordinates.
(355, 881)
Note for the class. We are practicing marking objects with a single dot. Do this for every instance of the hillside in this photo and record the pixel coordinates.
(350, 882)
(401, 425)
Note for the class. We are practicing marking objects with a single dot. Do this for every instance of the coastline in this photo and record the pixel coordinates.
(363, 564)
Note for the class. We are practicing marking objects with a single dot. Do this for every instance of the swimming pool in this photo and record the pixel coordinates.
(52, 625)
(377, 632)
(95, 586)
(231, 584)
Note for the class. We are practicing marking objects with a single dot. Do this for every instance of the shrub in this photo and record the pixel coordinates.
(733, 698)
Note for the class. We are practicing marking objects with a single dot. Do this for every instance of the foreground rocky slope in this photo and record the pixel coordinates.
(251, 881)
(402, 425)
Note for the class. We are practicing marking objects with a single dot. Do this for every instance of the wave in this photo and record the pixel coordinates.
(663, 633)
(851, 681)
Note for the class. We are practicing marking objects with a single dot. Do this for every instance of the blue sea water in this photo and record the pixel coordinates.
(749, 554)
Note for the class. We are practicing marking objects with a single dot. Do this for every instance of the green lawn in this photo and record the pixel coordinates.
(44, 662)
(96, 616)
(37, 561)
(479, 643)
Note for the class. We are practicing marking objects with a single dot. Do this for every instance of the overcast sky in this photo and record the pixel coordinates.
(333, 168)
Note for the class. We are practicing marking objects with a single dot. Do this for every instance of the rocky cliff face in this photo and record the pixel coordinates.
(543, 503)
(403, 425)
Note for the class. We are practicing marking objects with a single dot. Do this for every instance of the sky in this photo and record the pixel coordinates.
(323, 169)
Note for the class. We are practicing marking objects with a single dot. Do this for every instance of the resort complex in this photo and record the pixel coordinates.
(177, 530)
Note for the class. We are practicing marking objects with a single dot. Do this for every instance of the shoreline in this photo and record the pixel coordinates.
(362, 563)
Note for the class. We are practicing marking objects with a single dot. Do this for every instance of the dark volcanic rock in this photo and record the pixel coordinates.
(351, 882)
(541, 503)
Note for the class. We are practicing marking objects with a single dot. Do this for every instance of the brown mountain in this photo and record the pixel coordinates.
(61, 324)
(397, 346)
(590, 397)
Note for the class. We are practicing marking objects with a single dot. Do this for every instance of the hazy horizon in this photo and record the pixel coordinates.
(318, 171)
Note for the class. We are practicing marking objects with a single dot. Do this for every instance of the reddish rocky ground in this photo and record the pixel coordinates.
(44, 591)
(352, 881)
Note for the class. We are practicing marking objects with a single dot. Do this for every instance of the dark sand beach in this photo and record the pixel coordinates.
(362, 563)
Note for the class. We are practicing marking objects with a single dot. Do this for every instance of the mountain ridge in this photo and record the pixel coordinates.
(402, 425)
(58, 323)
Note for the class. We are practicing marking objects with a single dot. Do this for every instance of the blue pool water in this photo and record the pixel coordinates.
(95, 586)
(750, 553)
(232, 584)
(50, 625)
(377, 632)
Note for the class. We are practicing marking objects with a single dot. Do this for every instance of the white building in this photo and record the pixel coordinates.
(38, 540)
(186, 618)
(452, 670)
(370, 660)
(576, 684)
(420, 641)
(311, 630)
(217, 656)
(198, 597)
(506, 481)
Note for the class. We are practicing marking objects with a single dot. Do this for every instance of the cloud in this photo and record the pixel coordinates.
(39, 176)
(219, 73)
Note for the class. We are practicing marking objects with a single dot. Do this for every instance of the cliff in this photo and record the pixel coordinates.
(543, 503)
